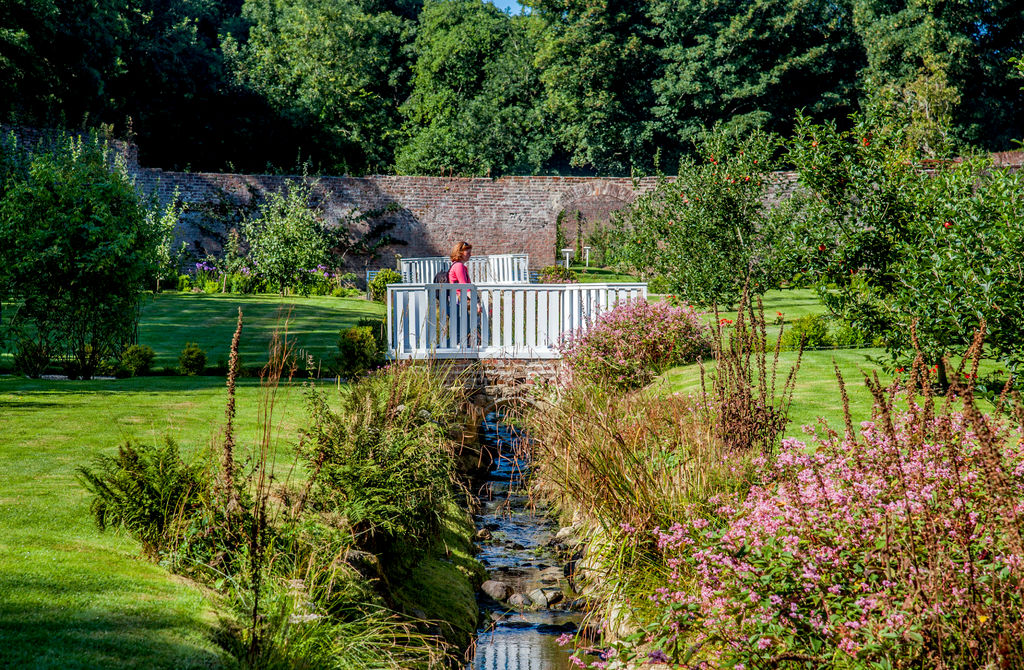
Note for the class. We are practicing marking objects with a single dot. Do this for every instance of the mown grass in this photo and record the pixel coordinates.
(817, 391)
(71, 597)
(595, 274)
(171, 319)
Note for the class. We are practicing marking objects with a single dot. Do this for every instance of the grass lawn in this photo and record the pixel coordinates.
(817, 391)
(71, 597)
(171, 319)
(600, 275)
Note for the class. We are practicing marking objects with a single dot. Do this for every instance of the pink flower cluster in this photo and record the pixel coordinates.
(903, 543)
(628, 345)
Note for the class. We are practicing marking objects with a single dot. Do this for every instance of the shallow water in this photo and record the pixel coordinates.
(519, 555)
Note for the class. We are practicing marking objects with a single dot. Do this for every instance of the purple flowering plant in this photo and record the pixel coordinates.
(626, 347)
(896, 546)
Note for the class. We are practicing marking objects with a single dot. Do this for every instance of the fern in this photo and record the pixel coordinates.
(145, 491)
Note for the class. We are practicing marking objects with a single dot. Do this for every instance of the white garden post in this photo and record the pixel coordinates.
(568, 253)
(586, 252)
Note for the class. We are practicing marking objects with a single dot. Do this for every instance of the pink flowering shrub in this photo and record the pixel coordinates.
(900, 547)
(626, 347)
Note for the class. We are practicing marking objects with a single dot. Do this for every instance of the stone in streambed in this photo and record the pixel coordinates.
(554, 596)
(538, 598)
(495, 589)
(520, 601)
(482, 534)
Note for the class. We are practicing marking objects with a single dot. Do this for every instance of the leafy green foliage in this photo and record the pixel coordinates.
(558, 274)
(596, 64)
(138, 359)
(473, 109)
(77, 248)
(379, 285)
(336, 68)
(287, 239)
(810, 332)
(962, 45)
(709, 231)
(192, 360)
(358, 351)
(146, 491)
(385, 461)
(750, 64)
(31, 357)
(890, 242)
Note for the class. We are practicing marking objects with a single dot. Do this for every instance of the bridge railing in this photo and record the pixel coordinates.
(494, 320)
(494, 269)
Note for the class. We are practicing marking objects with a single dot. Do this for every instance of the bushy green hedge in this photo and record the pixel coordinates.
(379, 285)
(192, 360)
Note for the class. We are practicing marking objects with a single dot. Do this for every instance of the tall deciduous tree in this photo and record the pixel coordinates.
(708, 232)
(597, 65)
(964, 45)
(751, 63)
(336, 67)
(474, 108)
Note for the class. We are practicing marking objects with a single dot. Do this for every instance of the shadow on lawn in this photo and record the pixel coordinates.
(148, 636)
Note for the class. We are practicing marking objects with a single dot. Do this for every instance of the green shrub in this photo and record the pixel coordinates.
(243, 282)
(385, 461)
(149, 492)
(78, 246)
(359, 350)
(192, 360)
(31, 358)
(343, 292)
(349, 280)
(379, 285)
(659, 285)
(847, 335)
(184, 283)
(211, 286)
(558, 274)
(812, 330)
(137, 359)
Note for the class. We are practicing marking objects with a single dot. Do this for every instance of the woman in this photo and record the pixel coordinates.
(458, 273)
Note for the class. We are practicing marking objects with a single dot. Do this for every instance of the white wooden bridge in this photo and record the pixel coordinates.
(522, 321)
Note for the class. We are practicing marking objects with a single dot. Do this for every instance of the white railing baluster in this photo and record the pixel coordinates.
(530, 340)
(495, 320)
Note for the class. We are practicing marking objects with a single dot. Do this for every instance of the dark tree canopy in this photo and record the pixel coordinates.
(457, 86)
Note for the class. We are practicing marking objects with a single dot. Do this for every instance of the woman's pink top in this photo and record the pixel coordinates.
(458, 274)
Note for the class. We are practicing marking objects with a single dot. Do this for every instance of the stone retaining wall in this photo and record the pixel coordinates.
(429, 214)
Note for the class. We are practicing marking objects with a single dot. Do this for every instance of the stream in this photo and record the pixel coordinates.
(514, 548)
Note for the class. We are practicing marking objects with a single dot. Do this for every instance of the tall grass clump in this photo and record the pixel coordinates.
(895, 545)
(384, 461)
(628, 346)
(304, 563)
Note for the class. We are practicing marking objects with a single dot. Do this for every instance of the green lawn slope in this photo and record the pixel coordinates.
(71, 597)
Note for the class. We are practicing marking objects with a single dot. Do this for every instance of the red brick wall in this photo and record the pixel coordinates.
(505, 215)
